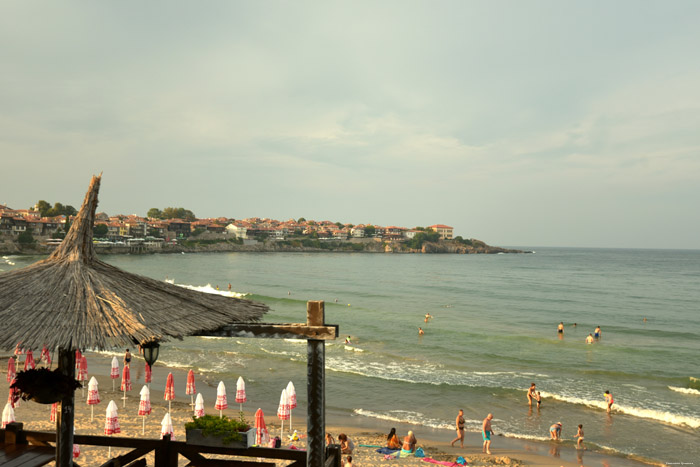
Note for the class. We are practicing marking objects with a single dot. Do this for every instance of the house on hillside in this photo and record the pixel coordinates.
(445, 231)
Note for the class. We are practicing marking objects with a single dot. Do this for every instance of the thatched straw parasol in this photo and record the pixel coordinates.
(72, 300)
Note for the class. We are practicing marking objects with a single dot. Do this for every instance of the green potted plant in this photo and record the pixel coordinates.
(210, 430)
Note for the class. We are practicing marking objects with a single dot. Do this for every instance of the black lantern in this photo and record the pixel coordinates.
(150, 352)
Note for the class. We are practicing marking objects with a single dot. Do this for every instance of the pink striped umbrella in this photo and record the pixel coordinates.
(111, 422)
(76, 451)
(199, 406)
(29, 361)
(13, 397)
(8, 415)
(262, 437)
(169, 390)
(144, 406)
(83, 365)
(166, 427)
(283, 411)
(240, 391)
(126, 382)
(147, 372)
(45, 356)
(221, 402)
(292, 395)
(191, 388)
(78, 359)
(93, 397)
(114, 374)
(11, 371)
(52, 417)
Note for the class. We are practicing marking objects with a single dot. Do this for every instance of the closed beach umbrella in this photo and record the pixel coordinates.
(262, 437)
(283, 411)
(78, 360)
(29, 361)
(82, 372)
(221, 402)
(8, 415)
(54, 407)
(126, 382)
(83, 365)
(240, 391)
(166, 427)
(111, 422)
(292, 396)
(199, 406)
(13, 397)
(11, 370)
(147, 372)
(169, 390)
(191, 389)
(114, 374)
(93, 397)
(144, 406)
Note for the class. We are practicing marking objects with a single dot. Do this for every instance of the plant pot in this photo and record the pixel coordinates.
(195, 437)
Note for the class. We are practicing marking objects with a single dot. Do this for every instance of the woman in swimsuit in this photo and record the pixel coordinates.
(609, 400)
(392, 440)
(409, 442)
(531, 394)
(459, 422)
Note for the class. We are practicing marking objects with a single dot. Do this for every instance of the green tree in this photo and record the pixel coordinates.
(300, 220)
(421, 237)
(154, 213)
(370, 230)
(178, 213)
(43, 207)
(25, 238)
(69, 211)
(100, 230)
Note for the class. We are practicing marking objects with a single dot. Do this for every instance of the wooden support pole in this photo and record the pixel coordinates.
(316, 389)
(65, 418)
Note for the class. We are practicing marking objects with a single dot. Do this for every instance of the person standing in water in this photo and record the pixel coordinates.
(560, 328)
(486, 432)
(579, 435)
(609, 400)
(531, 394)
(420, 331)
(589, 339)
(597, 333)
(459, 423)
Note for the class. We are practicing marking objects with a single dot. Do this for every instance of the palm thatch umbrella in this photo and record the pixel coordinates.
(75, 301)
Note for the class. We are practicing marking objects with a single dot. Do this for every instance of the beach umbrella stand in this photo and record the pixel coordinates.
(292, 396)
(191, 389)
(169, 390)
(283, 411)
(221, 402)
(144, 407)
(240, 392)
(93, 396)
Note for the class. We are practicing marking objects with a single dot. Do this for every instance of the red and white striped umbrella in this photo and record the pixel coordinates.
(13, 396)
(54, 407)
(78, 359)
(240, 391)
(191, 389)
(82, 369)
(8, 415)
(93, 397)
(166, 427)
(283, 411)
(45, 356)
(83, 364)
(292, 396)
(76, 451)
(262, 437)
(221, 402)
(11, 370)
(29, 361)
(115, 373)
(126, 382)
(144, 406)
(112, 420)
(147, 372)
(169, 390)
(199, 406)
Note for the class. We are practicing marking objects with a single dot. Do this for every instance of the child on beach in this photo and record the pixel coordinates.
(348, 462)
(609, 400)
(538, 398)
(579, 435)
(346, 444)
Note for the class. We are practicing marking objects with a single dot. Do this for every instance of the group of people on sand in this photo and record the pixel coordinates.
(486, 431)
(592, 337)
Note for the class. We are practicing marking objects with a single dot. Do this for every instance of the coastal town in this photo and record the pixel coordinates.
(34, 227)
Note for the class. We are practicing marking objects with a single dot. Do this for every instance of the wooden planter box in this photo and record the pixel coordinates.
(196, 437)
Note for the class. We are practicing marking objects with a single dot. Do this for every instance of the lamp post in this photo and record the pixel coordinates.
(150, 352)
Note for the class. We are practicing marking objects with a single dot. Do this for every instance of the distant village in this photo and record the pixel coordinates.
(132, 229)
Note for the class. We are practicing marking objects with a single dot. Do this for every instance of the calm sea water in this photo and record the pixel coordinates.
(493, 333)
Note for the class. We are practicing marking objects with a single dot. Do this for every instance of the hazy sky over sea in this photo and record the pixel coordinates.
(560, 123)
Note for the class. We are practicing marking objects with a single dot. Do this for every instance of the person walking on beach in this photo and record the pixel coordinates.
(609, 400)
(486, 432)
(127, 358)
(459, 423)
(555, 431)
(531, 394)
(579, 435)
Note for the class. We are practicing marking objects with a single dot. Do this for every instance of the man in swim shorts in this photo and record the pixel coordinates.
(486, 432)
(555, 431)
(560, 328)
(127, 358)
(459, 423)
(597, 332)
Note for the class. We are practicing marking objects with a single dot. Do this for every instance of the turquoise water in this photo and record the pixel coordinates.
(493, 332)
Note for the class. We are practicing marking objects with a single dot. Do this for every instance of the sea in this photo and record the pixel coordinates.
(493, 332)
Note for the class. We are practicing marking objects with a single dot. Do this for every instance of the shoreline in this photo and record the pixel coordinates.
(364, 431)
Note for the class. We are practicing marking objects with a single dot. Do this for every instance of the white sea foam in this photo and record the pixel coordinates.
(694, 392)
(208, 289)
(414, 418)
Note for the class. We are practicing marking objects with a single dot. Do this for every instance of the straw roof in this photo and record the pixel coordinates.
(72, 300)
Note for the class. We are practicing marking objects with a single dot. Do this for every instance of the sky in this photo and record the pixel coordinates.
(519, 123)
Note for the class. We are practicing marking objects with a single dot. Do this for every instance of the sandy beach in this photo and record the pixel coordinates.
(367, 439)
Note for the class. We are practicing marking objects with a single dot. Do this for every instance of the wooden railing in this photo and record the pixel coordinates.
(167, 452)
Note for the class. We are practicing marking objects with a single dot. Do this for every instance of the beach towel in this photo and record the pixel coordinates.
(419, 452)
(405, 453)
(433, 461)
(461, 460)
(369, 445)
(387, 450)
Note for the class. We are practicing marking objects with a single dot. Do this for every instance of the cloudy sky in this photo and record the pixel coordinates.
(555, 123)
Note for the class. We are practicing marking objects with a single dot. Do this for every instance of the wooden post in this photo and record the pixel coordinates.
(65, 418)
(315, 387)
